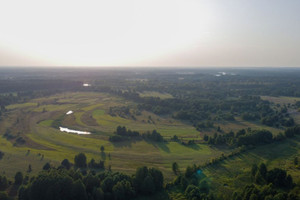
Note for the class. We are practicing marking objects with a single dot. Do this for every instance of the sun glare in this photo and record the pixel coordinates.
(103, 32)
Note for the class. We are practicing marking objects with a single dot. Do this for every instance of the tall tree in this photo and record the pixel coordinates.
(175, 168)
(263, 170)
(18, 178)
(102, 148)
(66, 163)
(80, 160)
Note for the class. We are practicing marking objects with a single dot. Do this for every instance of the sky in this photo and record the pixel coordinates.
(194, 33)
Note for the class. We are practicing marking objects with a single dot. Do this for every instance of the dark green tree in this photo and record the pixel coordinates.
(175, 168)
(123, 190)
(29, 168)
(140, 174)
(158, 178)
(263, 170)
(46, 166)
(184, 182)
(192, 192)
(18, 178)
(91, 182)
(51, 185)
(80, 160)
(254, 169)
(102, 148)
(148, 186)
(259, 179)
(296, 161)
(3, 182)
(98, 194)
(107, 184)
(78, 191)
(189, 172)
(65, 163)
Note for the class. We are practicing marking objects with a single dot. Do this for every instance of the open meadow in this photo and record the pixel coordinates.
(44, 143)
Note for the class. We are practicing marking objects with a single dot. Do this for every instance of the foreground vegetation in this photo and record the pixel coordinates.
(81, 181)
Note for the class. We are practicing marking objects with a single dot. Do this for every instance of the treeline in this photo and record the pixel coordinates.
(250, 137)
(31, 85)
(175, 138)
(274, 184)
(123, 134)
(69, 183)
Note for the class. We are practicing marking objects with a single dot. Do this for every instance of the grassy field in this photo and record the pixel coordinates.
(33, 122)
(234, 172)
(156, 94)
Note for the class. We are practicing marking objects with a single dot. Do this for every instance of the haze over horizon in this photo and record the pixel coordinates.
(163, 33)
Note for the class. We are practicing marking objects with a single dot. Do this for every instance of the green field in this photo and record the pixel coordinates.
(33, 122)
(281, 100)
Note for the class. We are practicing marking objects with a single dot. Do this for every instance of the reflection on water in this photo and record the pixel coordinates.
(69, 112)
(62, 129)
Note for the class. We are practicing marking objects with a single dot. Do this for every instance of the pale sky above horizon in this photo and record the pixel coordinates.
(150, 33)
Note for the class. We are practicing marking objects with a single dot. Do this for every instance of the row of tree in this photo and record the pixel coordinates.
(122, 134)
(250, 137)
(72, 184)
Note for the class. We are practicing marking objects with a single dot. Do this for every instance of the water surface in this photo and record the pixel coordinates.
(62, 129)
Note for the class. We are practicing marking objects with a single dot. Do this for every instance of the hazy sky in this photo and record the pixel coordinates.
(150, 33)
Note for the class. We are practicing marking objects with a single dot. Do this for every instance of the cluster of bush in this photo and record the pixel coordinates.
(269, 185)
(241, 137)
(205, 124)
(121, 111)
(250, 137)
(186, 143)
(123, 134)
(57, 122)
(191, 183)
(277, 120)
